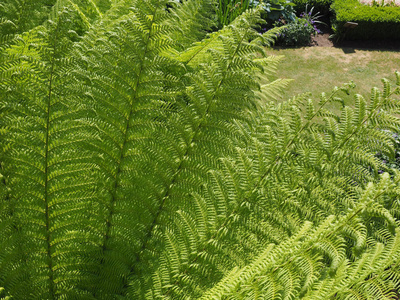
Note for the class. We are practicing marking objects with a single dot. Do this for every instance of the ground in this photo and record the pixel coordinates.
(323, 65)
(322, 40)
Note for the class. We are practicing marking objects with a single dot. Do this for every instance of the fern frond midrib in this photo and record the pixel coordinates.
(197, 130)
(286, 149)
(46, 166)
(114, 199)
(248, 194)
(201, 49)
(357, 129)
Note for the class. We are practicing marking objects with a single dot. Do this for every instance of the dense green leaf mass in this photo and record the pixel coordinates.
(374, 22)
(140, 158)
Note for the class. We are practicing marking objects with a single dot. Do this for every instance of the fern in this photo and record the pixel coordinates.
(275, 273)
(203, 91)
(42, 165)
(25, 14)
(283, 211)
(138, 163)
(195, 19)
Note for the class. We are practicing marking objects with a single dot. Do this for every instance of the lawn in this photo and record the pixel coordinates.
(319, 69)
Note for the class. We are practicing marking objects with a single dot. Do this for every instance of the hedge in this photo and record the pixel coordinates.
(373, 22)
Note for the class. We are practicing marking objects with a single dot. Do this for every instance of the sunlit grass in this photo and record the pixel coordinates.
(319, 69)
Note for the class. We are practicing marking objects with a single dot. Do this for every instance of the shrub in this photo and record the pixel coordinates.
(272, 10)
(298, 32)
(373, 22)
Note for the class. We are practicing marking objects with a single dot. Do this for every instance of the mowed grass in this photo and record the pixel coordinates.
(320, 69)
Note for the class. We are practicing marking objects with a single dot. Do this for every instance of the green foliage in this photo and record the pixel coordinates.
(373, 22)
(394, 161)
(229, 10)
(274, 273)
(296, 33)
(383, 3)
(196, 19)
(322, 6)
(271, 10)
(25, 14)
(275, 9)
(135, 164)
(299, 31)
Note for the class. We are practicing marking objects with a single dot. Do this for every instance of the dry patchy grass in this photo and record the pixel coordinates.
(319, 69)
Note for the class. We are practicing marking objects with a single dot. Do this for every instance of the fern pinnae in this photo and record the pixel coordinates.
(357, 154)
(46, 165)
(350, 217)
(375, 105)
(323, 237)
(223, 74)
(43, 160)
(131, 171)
(125, 131)
(81, 14)
(189, 147)
(194, 19)
(131, 93)
(295, 136)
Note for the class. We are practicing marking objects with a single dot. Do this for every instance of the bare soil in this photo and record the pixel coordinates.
(321, 40)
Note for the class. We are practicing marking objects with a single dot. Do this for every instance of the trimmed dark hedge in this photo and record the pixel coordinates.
(373, 22)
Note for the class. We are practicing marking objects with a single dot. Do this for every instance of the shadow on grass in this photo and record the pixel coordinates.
(368, 45)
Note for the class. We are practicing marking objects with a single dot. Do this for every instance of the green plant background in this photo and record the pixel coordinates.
(373, 22)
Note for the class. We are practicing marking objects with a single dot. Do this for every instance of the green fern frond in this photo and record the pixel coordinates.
(270, 269)
(42, 168)
(122, 86)
(6, 27)
(269, 37)
(207, 96)
(25, 15)
(244, 177)
(136, 164)
(192, 19)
